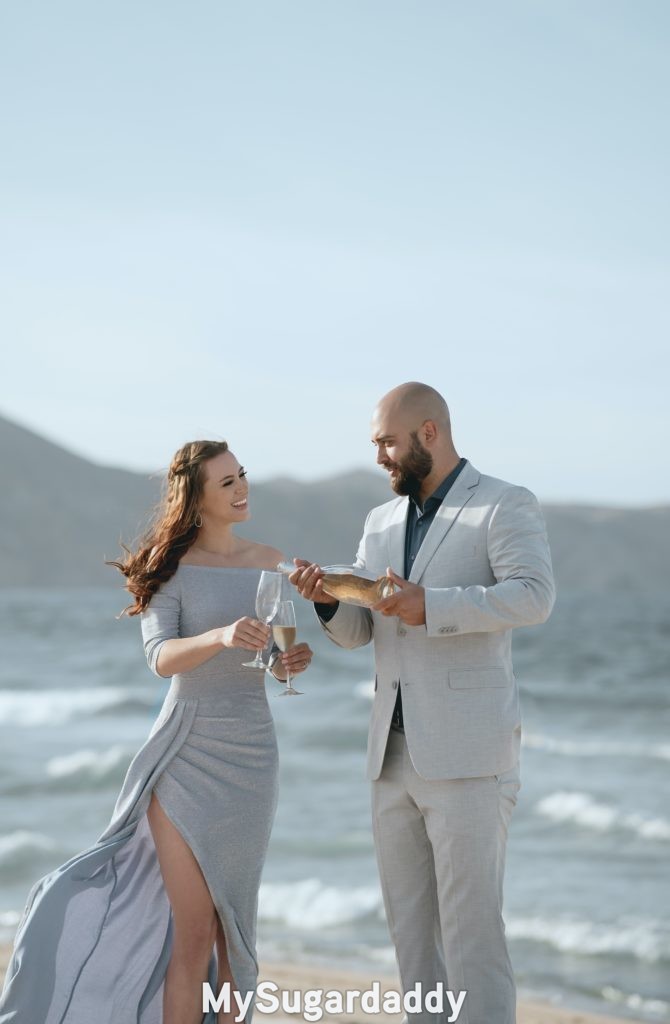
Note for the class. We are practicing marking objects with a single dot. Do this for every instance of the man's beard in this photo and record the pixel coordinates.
(413, 468)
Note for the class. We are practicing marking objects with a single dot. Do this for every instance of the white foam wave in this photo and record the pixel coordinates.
(9, 920)
(582, 809)
(53, 707)
(311, 905)
(643, 939)
(87, 764)
(634, 1001)
(594, 748)
(18, 846)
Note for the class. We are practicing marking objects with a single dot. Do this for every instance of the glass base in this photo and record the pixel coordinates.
(290, 692)
(256, 663)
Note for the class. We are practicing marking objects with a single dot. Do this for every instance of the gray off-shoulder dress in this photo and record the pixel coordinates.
(94, 941)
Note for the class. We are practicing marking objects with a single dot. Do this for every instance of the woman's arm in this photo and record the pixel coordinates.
(186, 653)
(168, 653)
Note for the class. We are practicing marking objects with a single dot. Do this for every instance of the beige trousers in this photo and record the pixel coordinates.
(441, 855)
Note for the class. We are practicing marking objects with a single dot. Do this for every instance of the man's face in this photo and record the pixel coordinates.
(401, 453)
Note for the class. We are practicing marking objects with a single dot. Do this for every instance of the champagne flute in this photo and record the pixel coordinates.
(268, 597)
(284, 632)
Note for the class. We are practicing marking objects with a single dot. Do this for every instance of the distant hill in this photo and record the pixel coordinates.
(61, 516)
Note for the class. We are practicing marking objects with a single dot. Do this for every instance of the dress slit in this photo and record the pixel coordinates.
(214, 964)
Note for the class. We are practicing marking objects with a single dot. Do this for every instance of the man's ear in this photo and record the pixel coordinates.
(428, 432)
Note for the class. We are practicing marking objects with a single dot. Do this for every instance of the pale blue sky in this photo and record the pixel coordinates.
(251, 219)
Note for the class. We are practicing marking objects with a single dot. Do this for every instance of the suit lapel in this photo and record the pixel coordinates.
(396, 537)
(445, 517)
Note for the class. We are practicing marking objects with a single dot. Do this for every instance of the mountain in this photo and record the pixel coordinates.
(61, 516)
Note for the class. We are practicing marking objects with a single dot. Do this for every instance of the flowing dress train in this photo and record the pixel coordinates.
(94, 941)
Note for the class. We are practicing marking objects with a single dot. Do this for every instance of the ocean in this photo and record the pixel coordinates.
(587, 902)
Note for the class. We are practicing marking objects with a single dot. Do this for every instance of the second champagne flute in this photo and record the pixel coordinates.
(268, 597)
(284, 633)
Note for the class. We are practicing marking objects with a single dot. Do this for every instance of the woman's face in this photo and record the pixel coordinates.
(225, 491)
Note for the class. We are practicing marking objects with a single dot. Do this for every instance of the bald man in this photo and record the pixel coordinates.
(469, 556)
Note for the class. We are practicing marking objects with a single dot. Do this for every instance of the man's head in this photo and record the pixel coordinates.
(411, 430)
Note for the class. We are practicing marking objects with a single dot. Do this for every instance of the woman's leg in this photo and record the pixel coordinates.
(196, 924)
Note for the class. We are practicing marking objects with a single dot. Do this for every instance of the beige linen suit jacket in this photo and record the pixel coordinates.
(486, 568)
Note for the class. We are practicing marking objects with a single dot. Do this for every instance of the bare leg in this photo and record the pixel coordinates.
(196, 924)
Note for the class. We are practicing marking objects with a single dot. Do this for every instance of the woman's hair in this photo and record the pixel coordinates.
(173, 529)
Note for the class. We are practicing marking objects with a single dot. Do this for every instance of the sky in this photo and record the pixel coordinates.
(251, 219)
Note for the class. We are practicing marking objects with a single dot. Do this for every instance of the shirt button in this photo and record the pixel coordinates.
(402, 631)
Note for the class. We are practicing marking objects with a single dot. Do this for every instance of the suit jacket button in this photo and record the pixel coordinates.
(402, 631)
(395, 684)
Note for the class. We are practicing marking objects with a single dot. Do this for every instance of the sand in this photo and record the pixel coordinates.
(290, 978)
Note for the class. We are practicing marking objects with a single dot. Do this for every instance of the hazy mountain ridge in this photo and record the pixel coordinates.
(61, 516)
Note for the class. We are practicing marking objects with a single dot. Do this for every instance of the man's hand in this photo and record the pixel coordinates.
(307, 580)
(408, 603)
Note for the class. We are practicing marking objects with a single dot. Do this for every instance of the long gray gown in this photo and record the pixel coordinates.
(94, 941)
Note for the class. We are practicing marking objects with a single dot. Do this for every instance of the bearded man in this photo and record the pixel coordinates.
(469, 556)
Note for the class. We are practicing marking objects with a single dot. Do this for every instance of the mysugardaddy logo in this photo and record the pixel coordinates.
(312, 1003)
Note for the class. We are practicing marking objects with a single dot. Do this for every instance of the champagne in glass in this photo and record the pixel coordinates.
(284, 633)
(284, 636)
(268, 597)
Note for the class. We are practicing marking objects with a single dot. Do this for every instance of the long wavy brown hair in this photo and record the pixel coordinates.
(174, 527)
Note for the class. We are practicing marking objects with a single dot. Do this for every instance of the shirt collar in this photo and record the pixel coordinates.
(440, 492)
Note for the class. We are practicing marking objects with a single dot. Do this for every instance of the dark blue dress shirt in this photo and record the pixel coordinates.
(419, 518)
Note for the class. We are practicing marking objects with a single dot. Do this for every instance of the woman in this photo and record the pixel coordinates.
(166, 899)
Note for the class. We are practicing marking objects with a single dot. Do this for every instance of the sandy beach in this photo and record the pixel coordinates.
(307, 977)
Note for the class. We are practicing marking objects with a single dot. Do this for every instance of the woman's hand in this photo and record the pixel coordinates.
(295, 661)
(251, 634)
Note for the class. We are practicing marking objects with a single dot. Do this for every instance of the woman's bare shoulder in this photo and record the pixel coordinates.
(263, 556)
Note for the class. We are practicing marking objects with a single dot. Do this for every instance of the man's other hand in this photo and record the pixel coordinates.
(408, 602)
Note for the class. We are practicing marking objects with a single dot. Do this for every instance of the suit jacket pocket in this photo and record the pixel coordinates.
(478, 678)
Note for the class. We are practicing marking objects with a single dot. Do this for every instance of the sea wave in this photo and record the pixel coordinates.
(21, 847)
(53, 707)
(89, 765)
(581, 809)
(633, 1001)
(644, 939)
(594, 748)
(9, 920)
(310, 905)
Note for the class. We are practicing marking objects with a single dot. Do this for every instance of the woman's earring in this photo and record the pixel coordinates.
(197, 522)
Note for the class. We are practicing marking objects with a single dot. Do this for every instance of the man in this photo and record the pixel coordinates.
(470, 559)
